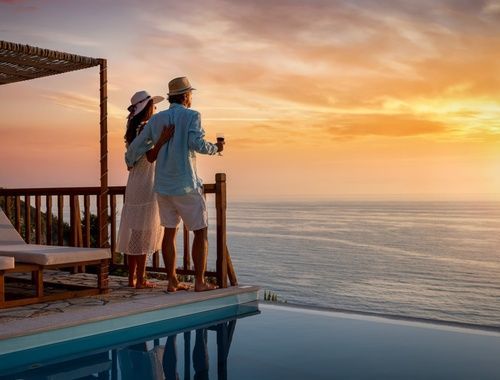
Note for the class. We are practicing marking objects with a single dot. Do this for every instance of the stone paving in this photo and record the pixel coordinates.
(119, 292)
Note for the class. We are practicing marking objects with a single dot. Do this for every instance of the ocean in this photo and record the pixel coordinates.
(431, 260)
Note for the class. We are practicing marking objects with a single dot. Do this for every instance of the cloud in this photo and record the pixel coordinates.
(385, 125)
(84, 103)
(354, 51)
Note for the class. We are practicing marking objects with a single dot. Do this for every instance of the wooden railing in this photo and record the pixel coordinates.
(49, 227)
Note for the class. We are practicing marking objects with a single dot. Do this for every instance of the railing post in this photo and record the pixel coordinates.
(48, 220)
(8, 207)
(18, 213)
(27, 219)
(76, 238)
(72, 220)
(38, 219)
(113, 223)
(220, 206)
(60, 220)
(86, 207)
(186, 261)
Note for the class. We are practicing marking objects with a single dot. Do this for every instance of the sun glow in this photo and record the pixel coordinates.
(368, 99)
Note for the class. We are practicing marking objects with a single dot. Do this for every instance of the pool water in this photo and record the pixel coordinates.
(268, 341)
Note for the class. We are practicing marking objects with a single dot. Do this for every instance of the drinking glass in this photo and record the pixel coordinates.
(220, 138)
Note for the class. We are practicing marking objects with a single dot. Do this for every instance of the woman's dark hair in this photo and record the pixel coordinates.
(179, 99)
(134, 122)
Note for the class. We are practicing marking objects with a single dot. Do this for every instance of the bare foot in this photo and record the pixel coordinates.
(203, 287)
(145, 284)
(175, 285)
(183, 286)
(131, 280)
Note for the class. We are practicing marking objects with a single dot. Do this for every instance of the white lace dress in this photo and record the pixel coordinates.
(140, 231)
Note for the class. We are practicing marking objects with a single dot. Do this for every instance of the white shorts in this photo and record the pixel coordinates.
(191, 208)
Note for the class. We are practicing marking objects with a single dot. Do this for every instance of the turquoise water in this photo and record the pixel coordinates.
(278, 343)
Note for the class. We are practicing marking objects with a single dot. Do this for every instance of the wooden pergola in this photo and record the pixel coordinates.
(23, 62)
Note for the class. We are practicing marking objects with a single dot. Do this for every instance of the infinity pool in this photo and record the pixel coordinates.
(268, 342)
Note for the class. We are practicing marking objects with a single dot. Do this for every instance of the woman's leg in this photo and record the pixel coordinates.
(132, 269)
(141, 273)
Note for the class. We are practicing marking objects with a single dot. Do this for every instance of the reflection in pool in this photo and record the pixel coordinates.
(158, 350)
(275, 342)
(161, 361)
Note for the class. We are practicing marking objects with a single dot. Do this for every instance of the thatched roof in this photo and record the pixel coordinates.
(23, 62)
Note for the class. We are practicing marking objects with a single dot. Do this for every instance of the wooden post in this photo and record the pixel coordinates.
(37, 276)
(27, 219)
(48, 220)
(78, 223)
(103, 195)
(72, 220)
(18, 213)
(8, 207)
(113, 224)
(86, 207)
(230, 269)
(2, 288)
(102, 276)
(60, 220)
(38, 219)
(220, 206)
(187, 255)
(155, 262)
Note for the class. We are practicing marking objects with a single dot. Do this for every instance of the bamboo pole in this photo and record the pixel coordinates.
(103, 195)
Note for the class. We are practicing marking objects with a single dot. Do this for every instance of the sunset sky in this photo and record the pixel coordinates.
(317, 99)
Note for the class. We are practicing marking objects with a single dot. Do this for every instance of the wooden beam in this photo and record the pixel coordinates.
(103, 194)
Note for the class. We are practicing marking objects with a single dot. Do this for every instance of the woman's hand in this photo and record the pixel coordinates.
(166, 134)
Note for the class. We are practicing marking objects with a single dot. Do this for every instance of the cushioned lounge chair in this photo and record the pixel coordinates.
(6, 263)
(35, 258)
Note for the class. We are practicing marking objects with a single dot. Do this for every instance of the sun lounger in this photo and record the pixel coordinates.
(6, 263)
(35, 258)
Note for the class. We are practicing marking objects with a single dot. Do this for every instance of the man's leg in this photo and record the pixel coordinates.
(169, 252)
(199, 253)
(169, 361)
(200, 355)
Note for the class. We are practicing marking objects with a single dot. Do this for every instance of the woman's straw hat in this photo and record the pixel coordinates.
(178, 86)
(139, 100)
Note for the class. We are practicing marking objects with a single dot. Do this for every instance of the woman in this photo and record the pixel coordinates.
(140, 232)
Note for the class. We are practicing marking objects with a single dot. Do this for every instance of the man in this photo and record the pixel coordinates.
(179, 190)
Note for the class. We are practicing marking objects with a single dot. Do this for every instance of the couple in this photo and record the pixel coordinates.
(171, 191)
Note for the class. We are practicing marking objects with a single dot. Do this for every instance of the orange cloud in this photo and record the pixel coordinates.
(385, 125)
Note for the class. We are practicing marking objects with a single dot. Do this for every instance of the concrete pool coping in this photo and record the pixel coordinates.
(41, 324)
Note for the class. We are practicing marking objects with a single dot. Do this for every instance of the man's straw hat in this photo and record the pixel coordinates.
(178, 86)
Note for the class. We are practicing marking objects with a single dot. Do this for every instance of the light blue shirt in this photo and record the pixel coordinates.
(176, 163)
